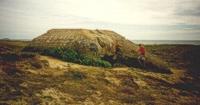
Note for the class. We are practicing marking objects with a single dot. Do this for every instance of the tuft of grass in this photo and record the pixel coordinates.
(36, 64)
(75, 75)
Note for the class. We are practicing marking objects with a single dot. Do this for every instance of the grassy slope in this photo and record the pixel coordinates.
(58, 82)
(182, 56)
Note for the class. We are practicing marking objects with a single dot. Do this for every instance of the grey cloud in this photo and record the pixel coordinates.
(188, 8)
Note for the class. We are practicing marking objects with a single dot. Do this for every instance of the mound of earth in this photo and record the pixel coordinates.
(103, 42)
(106, 44)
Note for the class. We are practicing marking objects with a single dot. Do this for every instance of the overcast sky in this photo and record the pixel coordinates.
(134, 19)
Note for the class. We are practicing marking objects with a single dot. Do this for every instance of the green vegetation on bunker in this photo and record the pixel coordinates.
(71, 55)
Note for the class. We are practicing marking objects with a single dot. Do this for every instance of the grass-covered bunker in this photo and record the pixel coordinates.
(103, 44)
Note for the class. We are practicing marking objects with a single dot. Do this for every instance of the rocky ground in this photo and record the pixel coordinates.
(32, 79)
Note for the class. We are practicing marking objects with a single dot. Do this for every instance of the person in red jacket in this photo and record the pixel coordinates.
(141, 58)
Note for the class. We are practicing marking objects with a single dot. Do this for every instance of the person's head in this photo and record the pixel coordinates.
(141, 45)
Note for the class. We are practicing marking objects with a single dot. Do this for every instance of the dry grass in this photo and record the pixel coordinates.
(58, 82)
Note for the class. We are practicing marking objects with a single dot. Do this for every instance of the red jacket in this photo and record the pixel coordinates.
(141, 50)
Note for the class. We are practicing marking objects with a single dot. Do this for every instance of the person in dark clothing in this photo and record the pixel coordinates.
(118, 54)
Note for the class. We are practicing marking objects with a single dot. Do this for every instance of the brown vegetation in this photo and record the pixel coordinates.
(34, 79)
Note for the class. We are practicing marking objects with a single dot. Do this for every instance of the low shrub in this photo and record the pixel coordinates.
(9, 56)
(95, 62)
(10, 68)
(27, 54)
(72, 56)
(76, 75)
(36, 64)
(15, 56)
